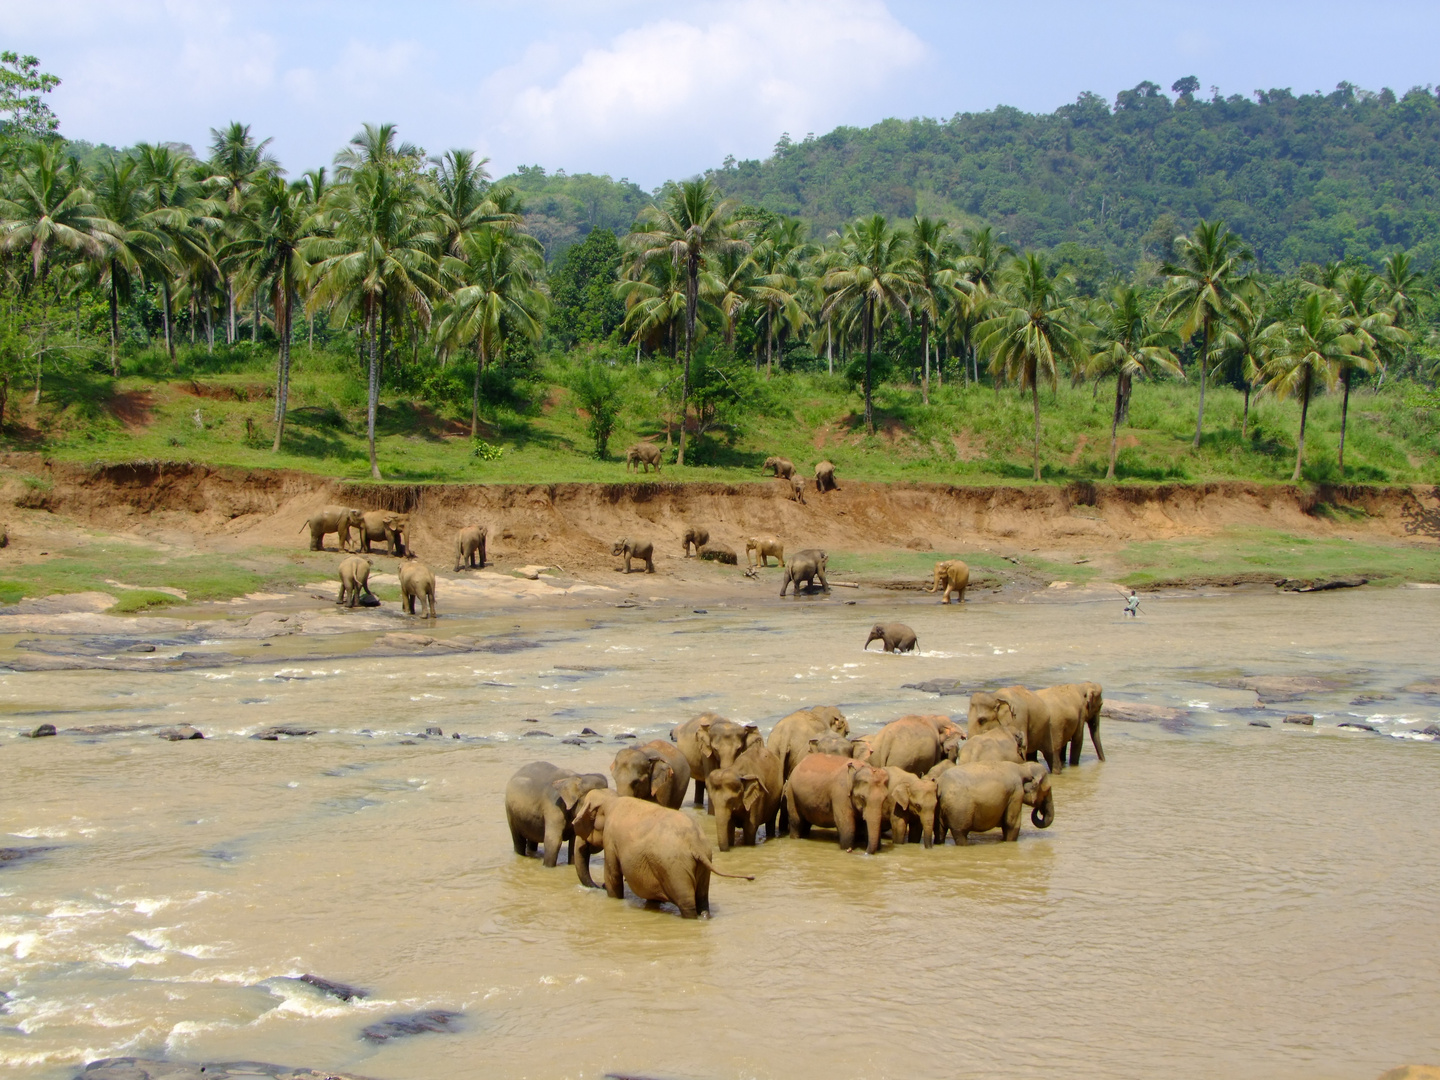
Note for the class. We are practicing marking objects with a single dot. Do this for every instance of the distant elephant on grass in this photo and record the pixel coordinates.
(825, 477)
(470, 548)
(763, 547)
(337, 519)
(955, 576)
(841, 794)
(392, 528)
(695, 537)
(660, 853)
(746, 794)
(985, 795)
(417, 583)
(783, 468)
(1073, 707)
(354, 579)
(657, 771)
(914, 801)
(645, 455)
(895, 637)
(635, 549)
(807, 567)
(540, 802)
(709, 741)
(790, 737)
(994, 744)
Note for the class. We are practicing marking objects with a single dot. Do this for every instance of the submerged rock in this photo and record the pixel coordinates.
(434, 731)
(1140, 712)
(1357, 726)
(130, 1068)
(10, 855)
(334, 989)
(1300, 718)
(41, 732)
(530, 734)
(437, 1020)
(1284, 687)
(274, 734)
(182, 733)
(945, 687)
(1259, 723)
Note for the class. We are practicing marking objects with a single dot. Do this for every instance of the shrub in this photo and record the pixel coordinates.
(141, 600)
(599, 390)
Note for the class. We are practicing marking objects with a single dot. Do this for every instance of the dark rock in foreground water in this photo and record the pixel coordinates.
(274, 734)
(129, 1068)
(398, 1027)
(334, 989)
(1356, 725)
(1300, 718)
(1259, 723)
(10, 855)
(41, 732)
(182, 733)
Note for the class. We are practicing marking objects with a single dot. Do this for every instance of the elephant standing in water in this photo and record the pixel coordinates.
(660, 853)
(746, 794)
(337, 519)
(955, 576)
(417, 582)
(710, 742)
(354, 579)
(913, 802)
(657, 771)
(806, 567)
(470, 548)
(841, 794)
(994, 744)
(1072, 708)
(985, 795)
(540, 802)
(894, 637)
(790, 737)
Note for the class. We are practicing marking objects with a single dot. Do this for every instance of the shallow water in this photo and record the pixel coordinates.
(1215, 899)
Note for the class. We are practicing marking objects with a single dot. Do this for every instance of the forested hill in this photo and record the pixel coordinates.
(1308, 178)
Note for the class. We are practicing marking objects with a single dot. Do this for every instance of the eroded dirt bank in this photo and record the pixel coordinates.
(574, 524)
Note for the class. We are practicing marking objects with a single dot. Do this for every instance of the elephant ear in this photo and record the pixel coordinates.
(661, 775)
(901, 796)
(702, 739)
(568, 792)
(754, 791)
(752, 737)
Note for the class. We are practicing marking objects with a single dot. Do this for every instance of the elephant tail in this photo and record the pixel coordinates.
(721, 873)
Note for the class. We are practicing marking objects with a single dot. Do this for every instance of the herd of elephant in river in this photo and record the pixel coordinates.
(920, 778)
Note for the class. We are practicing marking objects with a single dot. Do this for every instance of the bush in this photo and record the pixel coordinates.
(141, 600)
(599, 390)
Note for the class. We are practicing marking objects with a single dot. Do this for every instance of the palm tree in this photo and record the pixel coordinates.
(381, 252)
(982, 263)
(236, 162)
(463, 202)
(134, 240)
(1316, 347)
(1203, 291)
(45, 211)
(1129, 345)
(501, 294)
(179, 213)
(1365, 316)
(691, 227)
(1248, 339)
(780, 256)
(933, 261)
(1029, 332)
(870, 278)
(1400, 282)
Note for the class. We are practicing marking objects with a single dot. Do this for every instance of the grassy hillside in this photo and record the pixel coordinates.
(218, 409)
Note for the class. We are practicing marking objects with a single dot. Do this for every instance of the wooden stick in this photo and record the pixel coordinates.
(846, 584)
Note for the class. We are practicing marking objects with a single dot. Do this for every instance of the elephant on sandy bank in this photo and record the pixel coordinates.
(746, 795)
(354, 579)
(660, 853)
(895, 637)
(790, 737)
(657, 771)
(993, 744)
(1073, 707)
(696, 537)
(383, 525)
(783, 468)
(985, 795)
(955, 576)
(417, 582)
(333, 519)
(642, 550)
(913, 807)
(710, 741)
(470, 547)
(841, 794)
(797, 490)
(540, 802)
(806, 567)
(645, 455)
(763, 547)
(825, 477)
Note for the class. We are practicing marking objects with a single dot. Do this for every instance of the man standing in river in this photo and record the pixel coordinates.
(1132, 605)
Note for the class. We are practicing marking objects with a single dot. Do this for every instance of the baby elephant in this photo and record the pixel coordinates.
(354, 579)
(783, 468)
(470, 548)
(797, 488)
(540, 802)
(896, 637)
(644, 455)
(955, 576)
(695, 537)
(763, 547)
(636, 549)
(417, 583)
(984, 795)
(805, 567)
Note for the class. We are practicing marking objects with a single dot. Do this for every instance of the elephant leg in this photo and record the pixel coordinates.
(649, 567)
(614, 879)
(517, 840)
(1011, 831)
(581, 860)
(844, 822)
(792, 814)
(701, 900)
(700, 792)
(1094, 739)
(554, 831)
(317, 540)
(1076, 744)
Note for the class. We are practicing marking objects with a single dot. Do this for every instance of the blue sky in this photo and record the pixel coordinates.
(652, 91)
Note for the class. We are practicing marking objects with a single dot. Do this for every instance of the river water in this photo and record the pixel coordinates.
(1217, 899)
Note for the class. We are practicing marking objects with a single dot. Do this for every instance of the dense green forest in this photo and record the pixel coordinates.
(400, 283)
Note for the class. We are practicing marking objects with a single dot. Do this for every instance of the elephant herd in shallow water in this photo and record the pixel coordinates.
(921, 779)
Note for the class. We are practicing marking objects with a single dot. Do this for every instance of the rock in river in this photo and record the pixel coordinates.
(334, 989)
(1300, 718)
(129, 1068)
(183, 733)
(41, 732)
(275, 734)
(1137, 712)
(400, 1026)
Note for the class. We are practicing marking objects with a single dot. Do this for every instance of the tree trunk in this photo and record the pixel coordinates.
(1035, 402)
(230, 303)
(169, 338)
(282, 391)
(1204, 357)
(1245, 416)
(940, 360)
(1304, 412)
(475, 395)
(374, 397)
(1344, 417)
(44, 335)
(114, 323)
(209, 329)
(769, 341)
(1122, 397)
(829, 347)
(869, 331)
(255, 318)
(925, 351)
(4, 397)
(692, 286)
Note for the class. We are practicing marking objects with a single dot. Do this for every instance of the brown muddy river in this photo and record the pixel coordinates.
(1217, 899)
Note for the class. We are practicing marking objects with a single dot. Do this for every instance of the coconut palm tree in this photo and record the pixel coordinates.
(1400, 283)
(1316, 347)
(179, 213)
(982, 261)
(134, 240)
(780, 255)
(872, 279)
(691, 227)
(1203, 290)
(1248, 339)
(1029, 332)
(46, 211)
(932, 256)
(1129, 345)
(236, 162)
(463, 202)
(1365, 316)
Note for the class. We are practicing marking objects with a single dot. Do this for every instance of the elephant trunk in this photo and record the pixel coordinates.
(1095, 738)
(1044, 813)
(874, 822)
(724, 826)
(927, 830)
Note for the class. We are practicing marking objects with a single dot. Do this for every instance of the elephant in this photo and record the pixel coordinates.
(807, 566)
(830, 791)
(1032, 715)
(660, 853)
(993, 744)
(941, 768)
(797, 490)
(470, 547)
(417, 583)
(1073, 707)
(354, 579)
(895, 637)
(955, 576)
(656, 771)
(709, 741)
(747, 794)
(988, 711)
(863, 748)
(950, 734)
(644, 455)
(394, 529)
(985, 795)
(910, 743)
(540, 802)
(825, 477)
(337, 519)
(694, 536)
(764, 547)
(913, 805)
(642, 550)
(790, 737)
(783, 468)
(830, 743)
